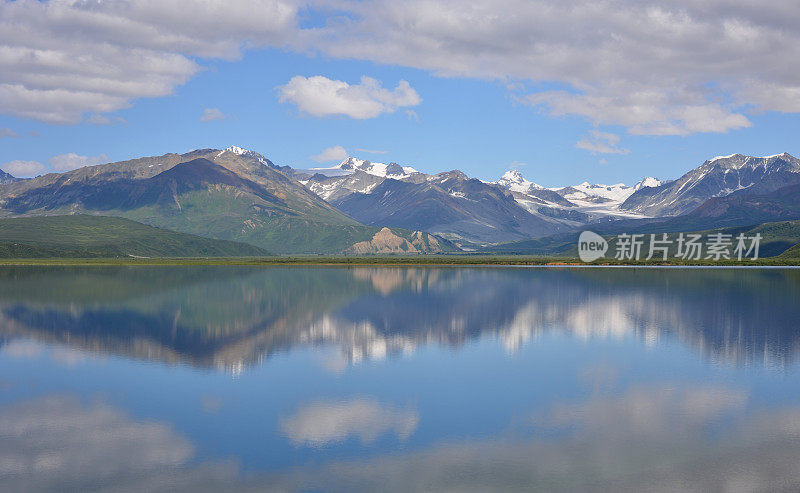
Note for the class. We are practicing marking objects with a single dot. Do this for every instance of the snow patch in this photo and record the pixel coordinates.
(721, 157)
(351, 164)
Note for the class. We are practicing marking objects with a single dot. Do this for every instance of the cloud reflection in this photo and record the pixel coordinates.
(324, 423)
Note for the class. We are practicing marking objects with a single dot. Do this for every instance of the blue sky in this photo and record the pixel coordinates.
(474, 114)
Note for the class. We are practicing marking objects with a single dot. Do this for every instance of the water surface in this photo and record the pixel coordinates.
(301, 378)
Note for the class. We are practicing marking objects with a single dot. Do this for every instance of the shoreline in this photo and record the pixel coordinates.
(398, 261)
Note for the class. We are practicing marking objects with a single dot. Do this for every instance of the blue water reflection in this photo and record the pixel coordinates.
(172, 378)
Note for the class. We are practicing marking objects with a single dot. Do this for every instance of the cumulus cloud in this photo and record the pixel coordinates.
(212, 114)
(62, 59)
(24, 168)
(602, 142)
(324, 423)
(335, 153)
(56, 164)
(6, 132)
(70, 161)
(655, 68)
(320, 96)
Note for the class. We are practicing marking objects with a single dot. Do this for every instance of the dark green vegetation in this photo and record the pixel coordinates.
(777, 237)
(82, 236)
(792, 254)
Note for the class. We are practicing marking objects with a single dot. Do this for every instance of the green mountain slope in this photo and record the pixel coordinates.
(228, 194)
(792, 253)
(99, 236)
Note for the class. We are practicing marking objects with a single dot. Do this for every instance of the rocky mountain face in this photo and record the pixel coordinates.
(334, 188)
(359, 206)
(227, 194)
(462, 209)
(7, 178)
(387, 241)
(718, 177)
(450, 204)
(744, 208)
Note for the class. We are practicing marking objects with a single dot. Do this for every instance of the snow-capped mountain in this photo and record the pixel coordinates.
(648, 182)
(514, 181)
(247, 153)
(594, 200)
(469, 210)
(351, 165)
(717, 177)
(587, 194)
(332, 188)
(458, 207)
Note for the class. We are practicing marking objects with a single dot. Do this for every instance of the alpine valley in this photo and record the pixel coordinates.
(362, 207)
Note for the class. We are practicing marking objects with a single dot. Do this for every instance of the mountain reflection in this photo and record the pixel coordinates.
(231, 317)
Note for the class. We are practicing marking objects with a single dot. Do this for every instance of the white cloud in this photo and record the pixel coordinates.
(62, 59)
(335, 153)
(323, 423)
(655, 68)
(24, 168)
(56, 164)
(6, 132)
(602, 142)
(70, 161)
(212, 114)
(319, 96)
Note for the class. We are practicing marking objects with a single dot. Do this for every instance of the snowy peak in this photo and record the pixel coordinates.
(514, 181)
(648, 182)
(740, 161)
(717, 177)
(391, 170)
(239, 151)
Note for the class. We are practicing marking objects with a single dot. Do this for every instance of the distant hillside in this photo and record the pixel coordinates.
(230, 194)
(777, 238)
(792, 253)
(83, 236)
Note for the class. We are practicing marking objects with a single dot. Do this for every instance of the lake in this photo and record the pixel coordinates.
(399, 379)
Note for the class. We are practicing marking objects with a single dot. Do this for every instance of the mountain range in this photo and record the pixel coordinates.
(363, 207)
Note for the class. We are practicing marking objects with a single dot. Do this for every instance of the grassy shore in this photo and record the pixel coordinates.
(433, 260)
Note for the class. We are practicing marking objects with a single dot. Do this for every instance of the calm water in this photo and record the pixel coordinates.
(399, 379)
